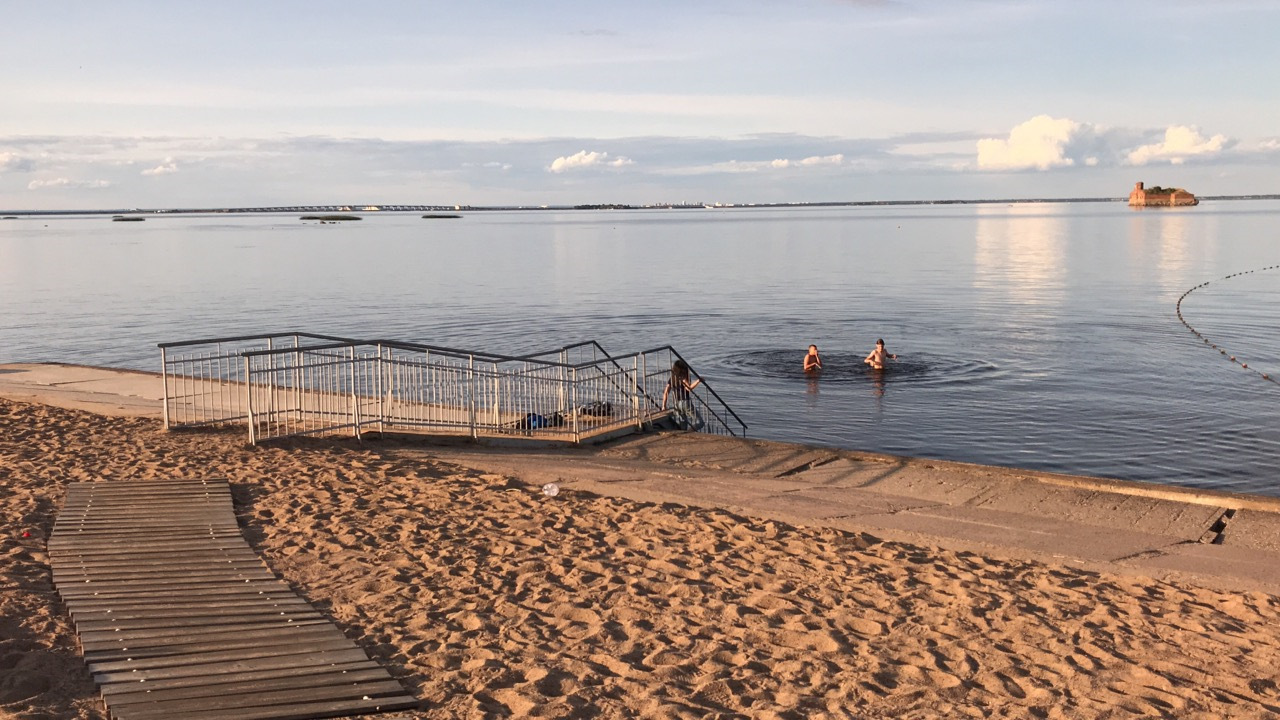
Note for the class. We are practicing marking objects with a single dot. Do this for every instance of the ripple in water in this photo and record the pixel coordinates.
(837, 367)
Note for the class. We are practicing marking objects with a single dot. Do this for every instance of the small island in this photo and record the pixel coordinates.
(331, 218)
(1160, 197)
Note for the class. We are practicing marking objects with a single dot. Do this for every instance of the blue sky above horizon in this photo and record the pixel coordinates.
(181, 104)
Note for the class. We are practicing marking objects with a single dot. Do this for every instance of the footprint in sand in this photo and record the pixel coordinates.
(1011, 686)
(815, 641)
(557, 684)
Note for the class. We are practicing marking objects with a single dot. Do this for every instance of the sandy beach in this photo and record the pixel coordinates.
(486, 598)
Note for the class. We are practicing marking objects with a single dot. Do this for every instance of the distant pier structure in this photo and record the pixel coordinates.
(1160, 197)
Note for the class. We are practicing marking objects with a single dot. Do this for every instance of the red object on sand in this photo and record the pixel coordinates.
(26, 533)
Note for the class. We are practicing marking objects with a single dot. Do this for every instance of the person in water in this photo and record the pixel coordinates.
(876, 359)
(812, 363)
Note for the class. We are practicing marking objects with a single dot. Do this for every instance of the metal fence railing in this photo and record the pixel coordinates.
(292, 384)
(205, 381)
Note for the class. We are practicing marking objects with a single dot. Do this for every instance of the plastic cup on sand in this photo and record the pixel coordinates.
(551, 489)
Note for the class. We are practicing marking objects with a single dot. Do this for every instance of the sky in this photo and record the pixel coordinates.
(181, 104)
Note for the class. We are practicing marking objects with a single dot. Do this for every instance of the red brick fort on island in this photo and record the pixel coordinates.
(1160, 197)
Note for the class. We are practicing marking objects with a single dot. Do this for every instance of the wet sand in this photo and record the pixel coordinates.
(487, 598)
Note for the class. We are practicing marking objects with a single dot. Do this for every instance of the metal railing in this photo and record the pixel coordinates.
(291, 384)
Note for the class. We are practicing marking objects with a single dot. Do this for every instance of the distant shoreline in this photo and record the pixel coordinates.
(563, 208)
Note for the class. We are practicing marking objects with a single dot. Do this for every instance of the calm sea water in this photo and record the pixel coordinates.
(1030, 335)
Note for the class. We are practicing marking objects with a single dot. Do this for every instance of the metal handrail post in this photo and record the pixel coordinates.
(298, 414)
(644, 383)
(564, 360)
(382, 407)
(248, 401)
(355, 399)
(164, 378)
(297, 387)
(471, 384)
(271, 385)
(635, 393)
(497, 395)
(573, 394)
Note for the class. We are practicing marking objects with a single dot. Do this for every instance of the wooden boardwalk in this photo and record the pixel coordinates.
(178, 618)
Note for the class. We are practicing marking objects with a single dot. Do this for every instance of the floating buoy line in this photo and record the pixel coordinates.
(1210, 343)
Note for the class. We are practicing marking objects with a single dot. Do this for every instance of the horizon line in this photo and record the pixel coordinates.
(405, 207)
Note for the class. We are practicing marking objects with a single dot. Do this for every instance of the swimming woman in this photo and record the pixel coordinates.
(812, 363)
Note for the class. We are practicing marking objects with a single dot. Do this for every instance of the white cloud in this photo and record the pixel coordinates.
(66, 183)
(12, 162)
(1039, 143)
(165, 168)
(837, 159)
(729, 166)
(584, 159)
(1180, 142)
(812, 161)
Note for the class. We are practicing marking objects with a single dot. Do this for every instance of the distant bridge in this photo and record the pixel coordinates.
(335, 208)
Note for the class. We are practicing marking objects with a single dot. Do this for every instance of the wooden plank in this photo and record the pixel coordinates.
(114, 550)
(150, 525)
(143, 490)
(178, 503)
(124, 538)
(213, 657)
(173, 498)
(77, 591)
(150, 637)
(238, 593)
(266, 698)
(141, 638)
(198, 688)
(242, 589)
(199, 618)
(176, 587)
(165, 579)
(138, 650)
(113, 561)
(312, 659)
(179, 508)
(77, 532)
(169, 607)
(218, 683)
(120, 486)
(124, 533)
(161, 575)
(196, 616)
(243, 555)
(301, 710)
(158, 572)
(144, 565)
